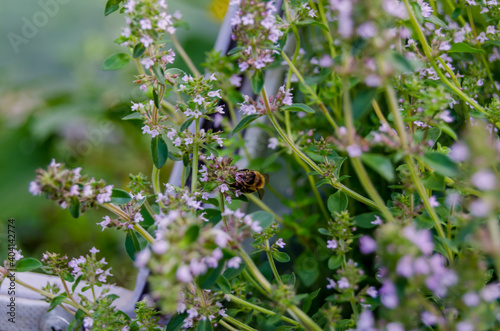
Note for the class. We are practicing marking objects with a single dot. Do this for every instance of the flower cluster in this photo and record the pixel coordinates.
(69, 187)
(92, 270)
(257, 32)
(282, 98)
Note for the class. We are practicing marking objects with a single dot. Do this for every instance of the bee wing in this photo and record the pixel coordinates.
(261, 193)
(266, 177)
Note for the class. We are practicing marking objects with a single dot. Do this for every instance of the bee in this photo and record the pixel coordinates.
(249, 181)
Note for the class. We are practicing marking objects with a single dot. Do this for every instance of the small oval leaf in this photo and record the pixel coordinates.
(245, 121)
(27, 264)
(159, 151)
(116, 61)
(299, 107)
(120, 197)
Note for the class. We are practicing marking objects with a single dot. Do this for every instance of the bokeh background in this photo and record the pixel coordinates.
(56, 102)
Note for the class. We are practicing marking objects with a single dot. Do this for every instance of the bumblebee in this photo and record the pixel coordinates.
(249, 181)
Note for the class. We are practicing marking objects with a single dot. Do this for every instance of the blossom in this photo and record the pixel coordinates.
(343, 283)
(142, 258)
(214, 94)
(184, 274)
(199, 100)
(394, 326)
(459, 152)
(35, 188)
(425, 8)
(420, 238)
(484, 180)
(445, 116)
(372, 291)
(105, 222)
(490, 292)
(405, 267)
(280, 243)
(471, 299)
(367, 30)
(331, 284)
(332, 244)
(482, 37)
(273, 143)
(106, 196)
(366, 321)
(223, 188)
(465, 326)
(147, 63)
(235, 80)
(145, 24)
(367, 245)
(428, 318)
(234, 262)
(146, 40)
(354, 150)
(160, 246)
(433, 201)
(377, 221)
(88, 322)
(197, 267)
(388, 295)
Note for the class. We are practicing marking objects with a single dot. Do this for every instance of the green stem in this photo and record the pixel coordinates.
(117, 211)
(356, 161)
(155, 177)
(259, 308)
(408, 158)
(428, 53)
(184, 56)
(327, 34)
(271, 263)
(310, 162)
(227, 325)
(304, 319)
(223, 209)
(311, 92)
(493, 230)
(194, 177)
(238, 323)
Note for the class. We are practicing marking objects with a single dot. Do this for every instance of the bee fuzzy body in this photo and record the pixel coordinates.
(249, 181)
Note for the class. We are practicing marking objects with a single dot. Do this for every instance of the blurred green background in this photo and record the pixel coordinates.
(56, 102)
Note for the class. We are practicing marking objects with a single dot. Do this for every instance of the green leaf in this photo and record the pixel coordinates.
(139, 49)
(449, 131)
(264, 218)
(191, 235)
(160, 75)
(159, 151)
(224, 284)
(111, 6)
(67, 276)
(230, 273)
(434, 181)
(245, 121)
(204, 325)
(209, 278)
(116, 61)
(186, 124)
(74, 207)
(257, 82)
(489, 43)
(58, 300)
(435, 20)
(306, 304)
(133, 116)
(362, 103)
(131, 240)
(335, 261)
(175, 323)
(440, 163)
(156, 99)
(119, 197)
(310, 21)
(75, 284)
(299, 107)
(418, 12)
(464, 48)
(281, 257)
(380, 164)
(401, 63)
(235, 50)
(337, 202)
(457, 12)
(27, 264)
(365, 220)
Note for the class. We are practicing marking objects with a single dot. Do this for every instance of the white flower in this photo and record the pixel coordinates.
(147, 63)
(234, 262)
(273, 143)
(183, 274)
(354, 150)
(145, 24)
(484, 180)
(482, 37)
(35, 188)
(146, 40)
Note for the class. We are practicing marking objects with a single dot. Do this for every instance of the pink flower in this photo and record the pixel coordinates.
(280, 243)
(234, 262)
(183, 274)
(367, 245)
(332, 244)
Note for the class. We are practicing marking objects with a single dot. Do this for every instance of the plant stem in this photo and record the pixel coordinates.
(408, 158)
(428, 53)
(259, 308)
(304, 319)
(356, 161)
(271, 263)
(117, 211)
(194, 176)
(311, 92)
(227, 325)
(223, 209)
(184, 56)
(238, 323)
(310, 162)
